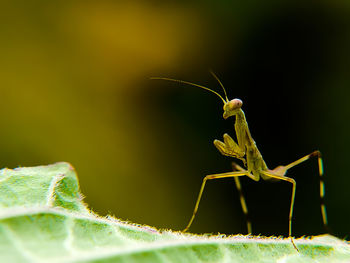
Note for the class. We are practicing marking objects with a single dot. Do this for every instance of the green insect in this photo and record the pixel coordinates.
(246, 150)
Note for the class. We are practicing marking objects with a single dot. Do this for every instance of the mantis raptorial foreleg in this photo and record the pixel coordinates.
(230, 148)
(210, 177)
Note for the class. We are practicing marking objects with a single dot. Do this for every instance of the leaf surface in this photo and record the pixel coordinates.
(43, 219)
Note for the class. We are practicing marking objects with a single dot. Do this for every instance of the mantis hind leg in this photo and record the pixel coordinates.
(322, 188)
(279, 172)
(236, 167)
(211, 177)
(272, 174)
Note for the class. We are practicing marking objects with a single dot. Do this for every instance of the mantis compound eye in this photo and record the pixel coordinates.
(235, 104)
(232, 108)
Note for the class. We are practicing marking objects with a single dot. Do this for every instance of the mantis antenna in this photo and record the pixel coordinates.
(222, 86)
(196, 85)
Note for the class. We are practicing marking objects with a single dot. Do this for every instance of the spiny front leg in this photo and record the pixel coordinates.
(230, 148)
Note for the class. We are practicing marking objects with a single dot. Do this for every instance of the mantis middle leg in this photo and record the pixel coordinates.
(236, 167)
(211, 177)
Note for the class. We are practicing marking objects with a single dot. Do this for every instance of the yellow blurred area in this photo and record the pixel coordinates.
(125, 40)
(69, 75)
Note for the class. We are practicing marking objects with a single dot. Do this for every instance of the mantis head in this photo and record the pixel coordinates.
(231, 107)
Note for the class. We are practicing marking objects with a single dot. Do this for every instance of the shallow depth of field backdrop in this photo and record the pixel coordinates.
(74, 86)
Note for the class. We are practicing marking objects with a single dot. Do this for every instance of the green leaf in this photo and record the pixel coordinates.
(43, 219)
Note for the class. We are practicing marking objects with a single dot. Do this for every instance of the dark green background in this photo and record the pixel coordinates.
(74, 83)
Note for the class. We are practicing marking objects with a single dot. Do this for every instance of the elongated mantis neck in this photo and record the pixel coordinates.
(242, 131)
(240, 117)
(241, 120)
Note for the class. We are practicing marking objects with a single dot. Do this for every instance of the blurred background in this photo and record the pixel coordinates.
(75, 87)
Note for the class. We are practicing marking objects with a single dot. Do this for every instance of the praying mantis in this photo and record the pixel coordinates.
(246, 150)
